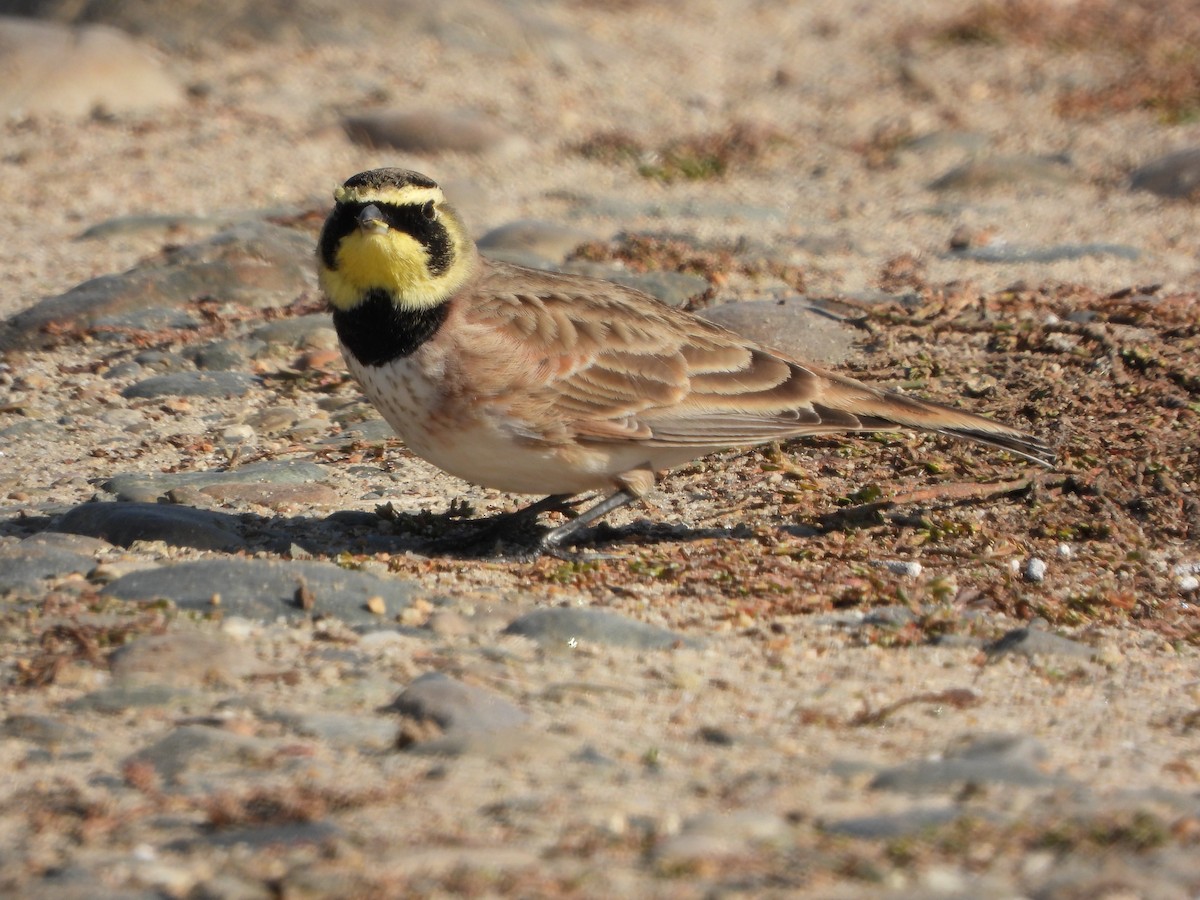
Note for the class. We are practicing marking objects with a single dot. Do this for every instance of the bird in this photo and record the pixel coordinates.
(560, 385)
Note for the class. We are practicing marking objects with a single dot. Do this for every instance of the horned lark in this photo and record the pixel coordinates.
(537, 382)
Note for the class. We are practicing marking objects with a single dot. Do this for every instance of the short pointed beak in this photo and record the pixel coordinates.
(371, 220)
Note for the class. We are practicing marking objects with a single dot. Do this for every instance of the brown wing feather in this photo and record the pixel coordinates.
(615, 364)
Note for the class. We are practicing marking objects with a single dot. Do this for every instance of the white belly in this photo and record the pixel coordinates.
(480, 447)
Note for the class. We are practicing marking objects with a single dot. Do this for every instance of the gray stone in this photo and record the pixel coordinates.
(464, 713)
(256, 264)
(138, 223)
(274, 496)
(794, 326)
(428, 131)
(560, 626)
(372, 430)
(266, 589)
(938, 141)
(177, 526)
(984, 759)
(551, 241)
(198, 747)
(1033, 642)
(191, 384)
(888, 826)
(24, 565)
(31, 429)
(671, 288)
(78, 882)
(182, 658)
(224, 356)
(990, 172)
(363, 732)
(716, 735)
(45, 731)
(54, 70)
(1015, 253)
(1171, 873)
(274, 419)
(288, 836)
(118, 698)
(1176, 175)
(138, 486)
(296, 332)
(74, 543)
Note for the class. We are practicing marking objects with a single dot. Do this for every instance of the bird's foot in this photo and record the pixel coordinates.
(511, 535)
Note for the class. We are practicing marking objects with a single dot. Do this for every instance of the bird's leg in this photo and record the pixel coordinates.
(555, 538)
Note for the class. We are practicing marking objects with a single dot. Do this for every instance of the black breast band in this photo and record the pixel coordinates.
(377, 331)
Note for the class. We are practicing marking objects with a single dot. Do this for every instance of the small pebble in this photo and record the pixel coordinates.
(904, 568)
(1034, 569)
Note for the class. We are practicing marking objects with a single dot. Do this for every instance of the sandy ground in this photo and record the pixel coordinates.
(785, 668)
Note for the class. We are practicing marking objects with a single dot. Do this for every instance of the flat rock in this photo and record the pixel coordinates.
(298, 332)
(887, 826)
(371, 430)
(793, 326)
(671, 288)
(984, 759)
(266, 589)
(177, 526)
(191, 384)
(256, 264)
(31, 429)
(561, 625)
(118, 698)
(145, 487)
(533, 238)
(199, 747)
(990, 172)
(182, 658)
(362, 732)
(26, 564)
(1176, 175)
(462, 713)
(274, 496)
(1033, 642)
(57, 70)
(49, 732)
(258, 838)
(1016, 253)
(224, 355)
(428, 131)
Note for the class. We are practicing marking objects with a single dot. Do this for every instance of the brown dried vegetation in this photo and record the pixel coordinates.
(1156, 44)
(696, 157)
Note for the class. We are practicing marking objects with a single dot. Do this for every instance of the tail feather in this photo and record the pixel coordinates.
(887, 409)
(1024, 445)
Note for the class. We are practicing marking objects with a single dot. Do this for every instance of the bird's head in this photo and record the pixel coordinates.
(391, 230)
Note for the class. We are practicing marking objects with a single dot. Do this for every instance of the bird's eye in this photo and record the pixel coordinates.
(428, 211)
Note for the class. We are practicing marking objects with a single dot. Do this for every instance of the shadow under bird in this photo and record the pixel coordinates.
(538, 382)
